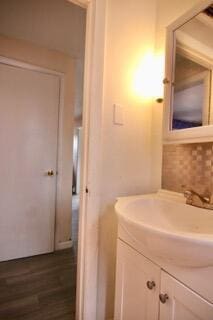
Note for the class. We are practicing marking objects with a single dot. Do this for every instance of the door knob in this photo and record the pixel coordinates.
(163, 297)
(166, 81)
(150, 285)
(50, 173)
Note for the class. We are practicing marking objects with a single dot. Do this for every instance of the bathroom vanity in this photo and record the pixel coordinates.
(165, 246)
(164, 259)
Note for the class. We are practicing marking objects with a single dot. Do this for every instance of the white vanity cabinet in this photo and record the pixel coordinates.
(137, 286)
(182, 303)
(145, 292)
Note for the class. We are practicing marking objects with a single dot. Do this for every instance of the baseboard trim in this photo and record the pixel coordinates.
(64, 245)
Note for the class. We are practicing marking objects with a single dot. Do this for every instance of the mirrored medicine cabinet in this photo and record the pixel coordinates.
(188, 103)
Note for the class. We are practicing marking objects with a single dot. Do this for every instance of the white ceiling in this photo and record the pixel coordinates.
(55, 24)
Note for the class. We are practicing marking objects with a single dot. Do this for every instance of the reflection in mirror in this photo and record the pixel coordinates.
(192, 72)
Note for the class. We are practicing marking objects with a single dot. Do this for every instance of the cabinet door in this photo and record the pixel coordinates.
(134, 300)
(182, 303)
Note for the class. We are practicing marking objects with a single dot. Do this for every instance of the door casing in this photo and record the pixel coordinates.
(90, 202)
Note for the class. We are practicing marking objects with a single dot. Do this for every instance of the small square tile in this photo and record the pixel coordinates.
(188, 164)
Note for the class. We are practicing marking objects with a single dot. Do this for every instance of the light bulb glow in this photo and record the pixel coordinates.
(148, 76)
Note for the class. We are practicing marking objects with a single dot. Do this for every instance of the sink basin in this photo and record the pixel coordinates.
(178, 233)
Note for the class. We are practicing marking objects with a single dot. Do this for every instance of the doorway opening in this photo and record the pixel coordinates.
(77, 158)
(41, 84)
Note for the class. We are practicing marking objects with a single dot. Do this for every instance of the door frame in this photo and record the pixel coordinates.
(90, 203)
(60, 75)
(90, 189)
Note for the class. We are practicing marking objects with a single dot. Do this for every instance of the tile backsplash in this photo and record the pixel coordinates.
(188, 166)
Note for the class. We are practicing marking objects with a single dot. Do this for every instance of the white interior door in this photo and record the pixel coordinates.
(29, 102)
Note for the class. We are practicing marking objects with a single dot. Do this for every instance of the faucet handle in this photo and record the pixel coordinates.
(208, 195)
(187, 194)
(186, 191)
(211, 198)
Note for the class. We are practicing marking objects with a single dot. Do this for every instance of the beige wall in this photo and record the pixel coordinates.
(167, 12)
(53, 60)
(132, 152)
(126, 164)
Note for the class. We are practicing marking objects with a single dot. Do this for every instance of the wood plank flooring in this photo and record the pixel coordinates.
(40, 287)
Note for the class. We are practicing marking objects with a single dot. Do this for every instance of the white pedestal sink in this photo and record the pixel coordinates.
(179, 234)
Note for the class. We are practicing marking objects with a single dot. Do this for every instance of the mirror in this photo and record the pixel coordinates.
(192, 73)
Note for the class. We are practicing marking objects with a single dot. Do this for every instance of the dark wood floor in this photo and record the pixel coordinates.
(40, 287)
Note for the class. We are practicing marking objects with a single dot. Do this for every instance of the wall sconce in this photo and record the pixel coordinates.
(148, 76)
(159, 73)
(165, 81)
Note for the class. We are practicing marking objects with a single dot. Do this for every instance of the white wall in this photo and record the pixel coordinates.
(132, 152)
(126, 163)
(167, 12)
(45, 23)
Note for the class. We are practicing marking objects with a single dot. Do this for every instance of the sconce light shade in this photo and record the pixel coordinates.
(147, 77)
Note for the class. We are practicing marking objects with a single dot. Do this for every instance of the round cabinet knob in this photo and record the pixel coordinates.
(163, 297)
(50, 173)
(150, 285)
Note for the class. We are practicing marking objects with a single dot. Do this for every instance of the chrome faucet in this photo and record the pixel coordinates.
(195, 199)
